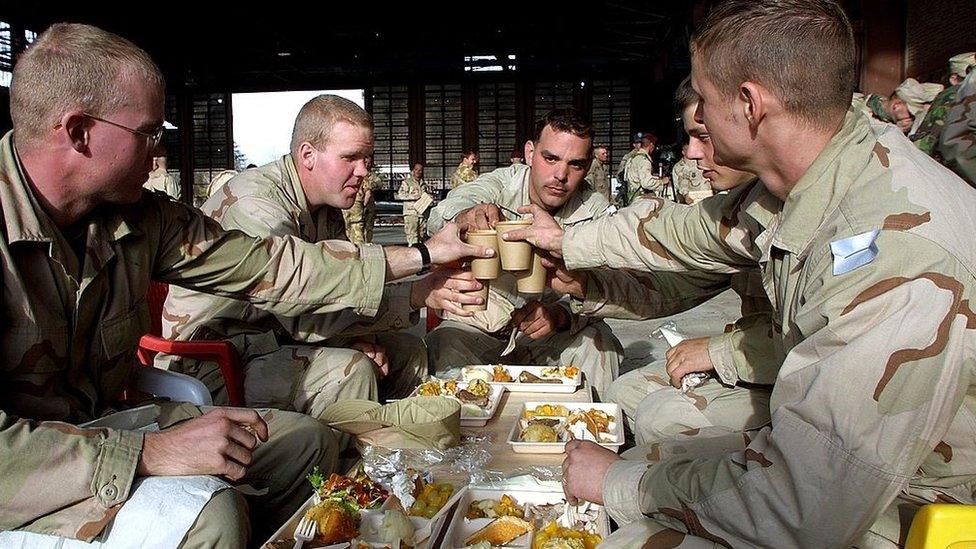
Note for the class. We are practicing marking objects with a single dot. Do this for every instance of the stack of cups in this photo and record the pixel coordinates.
(483, 269)
(521, 258)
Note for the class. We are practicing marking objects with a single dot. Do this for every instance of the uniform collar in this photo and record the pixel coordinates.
(825, 184)
(291, 184)
(573, 211)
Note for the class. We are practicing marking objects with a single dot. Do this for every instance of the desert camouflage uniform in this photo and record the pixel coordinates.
(689, 181)
(869, 266)
(599, 178)
(414, 222)
(639, 173)
(69, 326)
(294, 363)
(161, 180)
(361, 216)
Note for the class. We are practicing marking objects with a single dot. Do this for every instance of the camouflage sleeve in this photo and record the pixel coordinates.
(957, 144)
(654, 234)
(283, 275)
(641, 172)
(394, 314)
(632, 295)
(926, 137)
(47, 466)
(483, 190)
(860, 403)
(748, 352)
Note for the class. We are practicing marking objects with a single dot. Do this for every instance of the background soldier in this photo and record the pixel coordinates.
(465, 171)
(412, 188)
(598, 177)
(930, 130)
(160, 179)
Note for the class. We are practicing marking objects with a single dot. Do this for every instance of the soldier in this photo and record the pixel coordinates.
(82, 240)
(857, 242)
(218, 181)
(929, 131)
(917, 97)
(554, 334)
(411, 190)
(623, 193)
(465, 172)
(689, 182)
(639, 170)
(744, 358)
(956, 144)
(307, 362)
(598, 177)
(162, 180)
(516, 157)
(361, 216)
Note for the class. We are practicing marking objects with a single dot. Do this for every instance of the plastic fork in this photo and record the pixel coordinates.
(305, 531)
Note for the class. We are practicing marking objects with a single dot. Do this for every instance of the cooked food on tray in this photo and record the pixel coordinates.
(529, 377)
(554, 536)
(474, 395)
(546, 410)
(430, 499)
(537, 431)
(500, 531)
(338, 501)
(494, 508)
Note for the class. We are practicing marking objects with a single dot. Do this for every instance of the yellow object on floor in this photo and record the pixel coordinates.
(943, 526)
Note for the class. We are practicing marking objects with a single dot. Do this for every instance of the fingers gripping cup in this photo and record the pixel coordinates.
(532, 281)
(489, 268)
(483, 294)
(515, 255)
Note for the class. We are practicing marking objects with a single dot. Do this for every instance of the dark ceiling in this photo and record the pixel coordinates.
(314, 45)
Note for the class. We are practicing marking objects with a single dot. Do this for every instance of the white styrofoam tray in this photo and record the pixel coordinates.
(616, 428)
(471, 420)
(565, 386)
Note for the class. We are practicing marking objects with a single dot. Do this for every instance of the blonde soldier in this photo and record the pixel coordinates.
(306, 363)
(361, 216)
(689, 181)
(558, 157)
(162, 180)
(465, 172)
(412, 188)
(598, 177)
(653, 407)
(82, 240)
(866, 253)
(639, 170)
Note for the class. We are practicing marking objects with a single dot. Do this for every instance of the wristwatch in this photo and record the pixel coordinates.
(424, 257)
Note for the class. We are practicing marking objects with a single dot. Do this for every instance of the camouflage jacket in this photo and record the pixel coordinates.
(599, 178)
(463, 174)
(161, 180)
(957, 144)
(365, 199)
(869, 266)
(68, 334)
(410, 190)
(269, 201)
(610, 294)
(926, 137)
(639, 173)
(688, 179)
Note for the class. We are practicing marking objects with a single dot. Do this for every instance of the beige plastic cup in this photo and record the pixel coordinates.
(532, 281)
(489, 268)
(515, 256)
(483, 294)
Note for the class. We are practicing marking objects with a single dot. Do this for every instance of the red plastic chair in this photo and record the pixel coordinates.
(221, 352)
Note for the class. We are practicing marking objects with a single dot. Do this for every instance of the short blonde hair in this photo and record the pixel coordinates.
(319, 115)
(73, 66)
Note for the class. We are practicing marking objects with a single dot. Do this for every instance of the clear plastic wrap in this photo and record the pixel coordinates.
(670, 333)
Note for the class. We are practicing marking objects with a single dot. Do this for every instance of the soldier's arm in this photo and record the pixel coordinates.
(659, 235)
(283, 274)
(748, 352)
(632, 295)
(47, 466)
(483, 190)
(956, 142)
(861, 402)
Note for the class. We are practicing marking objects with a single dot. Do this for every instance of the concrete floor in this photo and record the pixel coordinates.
(641, 347)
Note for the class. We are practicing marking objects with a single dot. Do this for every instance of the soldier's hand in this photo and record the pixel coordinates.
(544, 233)
(564, 281)
(687, 357)
(537, 320)
(375, 352)
(220, 443)
(584, 470)
(482, 216)
(443, 288)
(446, 246)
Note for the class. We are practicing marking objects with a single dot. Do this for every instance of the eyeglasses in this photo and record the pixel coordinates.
(154, 137)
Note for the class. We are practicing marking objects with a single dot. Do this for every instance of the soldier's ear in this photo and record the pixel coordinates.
(306, 155)
(529, 149)
(753, 98)
(75, 127)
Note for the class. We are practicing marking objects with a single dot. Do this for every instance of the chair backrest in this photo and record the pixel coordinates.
(155, 297)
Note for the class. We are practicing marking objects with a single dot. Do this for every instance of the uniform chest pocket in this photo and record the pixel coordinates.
(121, 333)
(33, 349)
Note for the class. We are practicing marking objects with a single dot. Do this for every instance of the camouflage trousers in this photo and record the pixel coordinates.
(889, 531)
(359, 223)
(594, 349)
(308, 378)
(415, 228)
(656, 411)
